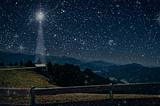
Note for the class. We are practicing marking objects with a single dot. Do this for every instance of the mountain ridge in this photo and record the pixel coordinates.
(17, 57)
(132, 73)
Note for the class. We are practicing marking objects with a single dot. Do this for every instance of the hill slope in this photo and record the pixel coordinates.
(22, 79)
(70, 75)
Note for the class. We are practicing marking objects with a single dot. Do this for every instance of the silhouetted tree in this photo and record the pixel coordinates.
(70, 75)
(15, 64)
(10, 64)
(67, 75)
(21, 64)
(1, 63)
(39, 61)
(29, 63)
(49, 68)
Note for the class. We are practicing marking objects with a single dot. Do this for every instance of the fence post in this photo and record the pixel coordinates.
(111, 93)
(32, 97)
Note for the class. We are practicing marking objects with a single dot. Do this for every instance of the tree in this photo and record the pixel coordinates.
(39, 61)
(10, 64)
(21, 64)
(15, 64)
(67, 75)
(50, 68)
(29, 63)
(1, 63)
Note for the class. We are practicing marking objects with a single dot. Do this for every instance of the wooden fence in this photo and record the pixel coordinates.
(26, 92)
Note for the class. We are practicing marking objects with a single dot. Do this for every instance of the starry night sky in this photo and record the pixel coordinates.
(117, 31)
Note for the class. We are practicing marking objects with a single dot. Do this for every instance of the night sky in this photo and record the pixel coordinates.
(116, 31)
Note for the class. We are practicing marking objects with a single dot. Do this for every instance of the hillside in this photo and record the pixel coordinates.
(22, 79)
(55, 74)
(70, 75)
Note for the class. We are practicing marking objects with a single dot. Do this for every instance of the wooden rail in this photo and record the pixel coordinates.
(15, 92)
(21, 92)
(94, 88)
(67, 90)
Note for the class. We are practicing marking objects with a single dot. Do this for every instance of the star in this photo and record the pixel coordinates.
(158, 19)
(9, 47)
(111, 43)
(40, 16)
(16, 36)
(107, 31)
(48, 54)
(21, 48)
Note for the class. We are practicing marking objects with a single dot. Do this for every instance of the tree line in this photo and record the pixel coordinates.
(71, 75)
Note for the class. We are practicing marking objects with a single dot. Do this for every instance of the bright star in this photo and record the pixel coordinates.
(158, 19)
(21, 48)
(40, 16)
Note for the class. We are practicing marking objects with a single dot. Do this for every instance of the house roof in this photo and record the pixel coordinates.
(40, 65)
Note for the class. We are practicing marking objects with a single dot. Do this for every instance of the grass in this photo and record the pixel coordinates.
(9, 67)
(27, 79)
(23, 79)
(71, 98)
(86, 97)
(5, 67)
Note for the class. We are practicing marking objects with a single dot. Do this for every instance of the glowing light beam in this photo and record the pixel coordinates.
(40, 16)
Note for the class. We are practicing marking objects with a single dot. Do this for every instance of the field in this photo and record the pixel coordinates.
(27, 78)
(22, 79)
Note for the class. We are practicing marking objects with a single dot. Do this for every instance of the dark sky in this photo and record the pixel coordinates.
(117, 31)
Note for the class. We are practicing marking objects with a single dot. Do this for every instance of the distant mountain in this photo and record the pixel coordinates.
(63, 60)
(95, 65)
(17, 57)
(134, 65)
(131, 73)
(100, 63)
(94, 79)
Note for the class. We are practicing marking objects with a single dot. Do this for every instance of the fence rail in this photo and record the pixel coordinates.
(67, 90)
(26, 92)
(15, 92)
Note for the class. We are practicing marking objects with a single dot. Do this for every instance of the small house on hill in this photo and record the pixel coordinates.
(39, 66)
